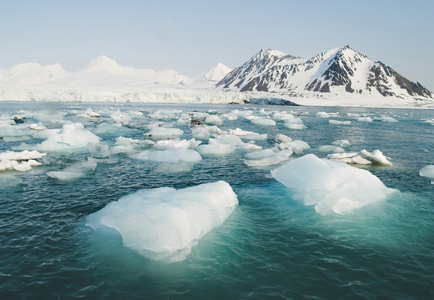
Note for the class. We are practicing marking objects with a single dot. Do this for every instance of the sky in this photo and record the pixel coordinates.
(192, 36)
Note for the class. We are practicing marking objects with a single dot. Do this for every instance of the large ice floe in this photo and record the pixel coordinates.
(164, 223)
(333, 187)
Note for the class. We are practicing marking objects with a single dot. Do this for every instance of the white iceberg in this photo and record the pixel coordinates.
(160, 133)
(164, 223)
(333, 187)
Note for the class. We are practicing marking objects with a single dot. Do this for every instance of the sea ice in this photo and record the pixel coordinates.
(164, 223)
(342, 143)
(75, 171)
(19, 161)
(333, 187)
(8, 181)
(428, 172)
(336, 122)
(297, 146)
(376, 157)
(213, 120)
(215, 148)
(170, 155)
(249, 135)
(160, 133)
(266, 157)
(263, 121)
(173, 144)
(330, 148)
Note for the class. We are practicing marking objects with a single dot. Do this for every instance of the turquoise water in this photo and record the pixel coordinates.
(270, 247)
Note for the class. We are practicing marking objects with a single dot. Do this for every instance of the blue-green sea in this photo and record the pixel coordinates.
(270, 247)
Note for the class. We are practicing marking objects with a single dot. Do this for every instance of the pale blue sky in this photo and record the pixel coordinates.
(192, 36)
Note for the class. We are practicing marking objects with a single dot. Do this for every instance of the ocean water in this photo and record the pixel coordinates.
(271, 246)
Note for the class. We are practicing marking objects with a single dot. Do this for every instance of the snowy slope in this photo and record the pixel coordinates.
(337, 71)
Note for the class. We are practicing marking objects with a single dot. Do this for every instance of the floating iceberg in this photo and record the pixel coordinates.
(164, 223)
(333, 187)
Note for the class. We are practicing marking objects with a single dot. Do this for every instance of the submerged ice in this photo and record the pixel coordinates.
(164, 223)
(333, 187)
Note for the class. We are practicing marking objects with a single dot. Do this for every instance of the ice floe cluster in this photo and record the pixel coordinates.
(165, 223)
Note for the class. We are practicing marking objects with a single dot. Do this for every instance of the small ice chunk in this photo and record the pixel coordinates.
(263, 121)
(215, 149)
(322, 114)
(260, 154)
(365, 119)
(99, 150)
(267, 158)
(250, 135)
(389, 119)
(160, 133)
(89, 113)
(281, 138)
(330, 148)
(75, 171)
(333, 187)
(428, 171)
(181, 167)
(342, 143)
(350, 158)
(336, 122)
(297, 146)
(110, 129)
(170, 155)
(213, 120)
(173, 144)
(164, 224)
(8, 181)
(295, 126)
(376, 157)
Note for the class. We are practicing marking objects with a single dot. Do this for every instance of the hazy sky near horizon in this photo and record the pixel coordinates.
(192, 36)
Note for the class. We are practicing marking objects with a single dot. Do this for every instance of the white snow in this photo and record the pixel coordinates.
(164, 224)
(333, 187)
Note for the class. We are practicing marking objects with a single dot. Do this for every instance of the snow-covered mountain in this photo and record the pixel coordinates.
(339, 76)
(338, 71)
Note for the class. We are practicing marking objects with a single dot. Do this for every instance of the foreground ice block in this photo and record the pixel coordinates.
(164, 223)
(333, 187)
(428, 171)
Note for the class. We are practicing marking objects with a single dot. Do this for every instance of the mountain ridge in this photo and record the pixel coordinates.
(339, 70)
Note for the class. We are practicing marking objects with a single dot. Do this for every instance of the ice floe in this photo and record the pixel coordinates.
(19, 161)
(333, 187)
(170, 155)
(428, 171)
(75, 171)
(363, 157)
(164, 224)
